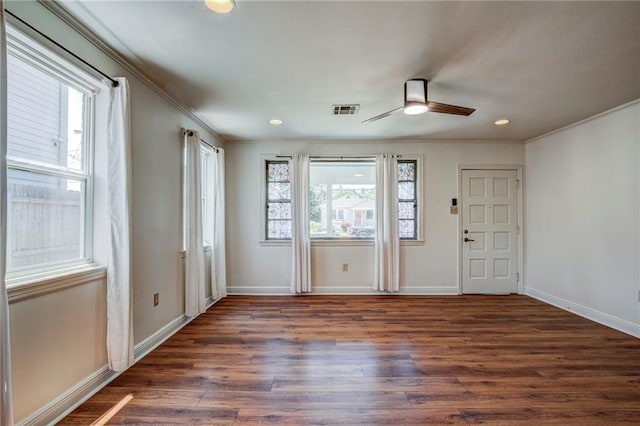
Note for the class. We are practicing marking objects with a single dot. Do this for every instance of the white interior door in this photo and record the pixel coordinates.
(489, 236)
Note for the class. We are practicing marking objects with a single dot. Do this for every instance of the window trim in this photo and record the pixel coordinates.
(206, 152)
(415, 197)
(42, 57)
(350, 159)
(265, 196)
(420, 197)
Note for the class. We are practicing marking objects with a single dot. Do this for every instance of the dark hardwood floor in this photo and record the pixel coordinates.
(381, 360)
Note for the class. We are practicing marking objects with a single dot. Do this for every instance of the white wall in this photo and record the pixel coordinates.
(430, 267)
(58, 338)
(582, 218)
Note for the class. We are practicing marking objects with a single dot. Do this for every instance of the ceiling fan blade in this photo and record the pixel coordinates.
(383, 115)
(449, 109)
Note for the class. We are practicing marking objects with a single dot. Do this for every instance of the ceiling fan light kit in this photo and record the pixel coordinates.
(415, 108)
(416, 102)
(221, 6)
(415, 96)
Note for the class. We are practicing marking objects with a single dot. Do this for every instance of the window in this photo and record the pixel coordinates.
(278, 200)
(337, 214)
(342, 199)
(49, 145)
(407, 200)
(347, 189)
(206, 168)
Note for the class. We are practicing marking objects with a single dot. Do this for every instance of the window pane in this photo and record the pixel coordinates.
(279, 211)
(406, 210)
(406, 190)
(406, 171)
(278, 172)
(279, 191)
(407, 229)
(407, 196)
(278, 200)
(279, 229)
(45, 117)
(341, 196)
(46, 217)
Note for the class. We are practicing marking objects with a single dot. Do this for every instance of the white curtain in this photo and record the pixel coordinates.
(6, 411)
(119, 292)
(386, 275)
(300, 240)
(194, 292)
(218, 259)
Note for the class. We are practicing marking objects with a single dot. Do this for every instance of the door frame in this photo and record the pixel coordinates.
(520, 176)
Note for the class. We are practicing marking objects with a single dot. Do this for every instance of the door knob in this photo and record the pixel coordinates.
(468, 240)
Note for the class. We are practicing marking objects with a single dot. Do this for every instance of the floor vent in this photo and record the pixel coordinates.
(345, 109)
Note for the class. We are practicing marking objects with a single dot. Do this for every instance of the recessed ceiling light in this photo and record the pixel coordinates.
(502, 122)
(275, 122)
(358, 175)
(221, 6)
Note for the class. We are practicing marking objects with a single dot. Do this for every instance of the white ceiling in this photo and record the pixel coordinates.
(542, 64)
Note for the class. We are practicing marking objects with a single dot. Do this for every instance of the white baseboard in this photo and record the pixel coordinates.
(156, 339)
(433, 291)
(153, 341)
(64, 404)
(249, 290)
(254, 290)
(406, 291)
(586, 312)
(55, 410)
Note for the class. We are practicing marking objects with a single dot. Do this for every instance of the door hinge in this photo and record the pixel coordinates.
(517, 277)
(518, 230)
(517, 183)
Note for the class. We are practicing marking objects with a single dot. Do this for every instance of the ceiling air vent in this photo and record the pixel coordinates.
(345, 109)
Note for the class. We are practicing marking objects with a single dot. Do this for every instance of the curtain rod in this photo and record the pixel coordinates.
(114, 83)
(190, 132)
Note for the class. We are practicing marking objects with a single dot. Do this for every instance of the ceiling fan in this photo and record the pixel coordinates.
(415, 102)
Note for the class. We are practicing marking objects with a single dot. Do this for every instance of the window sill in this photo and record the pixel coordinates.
(336, 242)
(275, 243)
(44, 283)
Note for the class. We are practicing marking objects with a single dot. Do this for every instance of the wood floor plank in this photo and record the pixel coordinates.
(368, 360)
(306, 400)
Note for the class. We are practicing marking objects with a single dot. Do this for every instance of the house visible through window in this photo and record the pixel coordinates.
(347, 189)
(278, 200)
(48, 157)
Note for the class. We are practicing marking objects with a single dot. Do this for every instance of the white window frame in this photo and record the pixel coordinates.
(266, 159)
(44, 59)
(415, 199)
(351, 159)
(420, 201)
(206, 159)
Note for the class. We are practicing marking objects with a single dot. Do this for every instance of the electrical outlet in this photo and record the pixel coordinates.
(345, 267)
(156, 299)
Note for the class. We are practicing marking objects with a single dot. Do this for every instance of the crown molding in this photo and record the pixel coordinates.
(56, 8)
